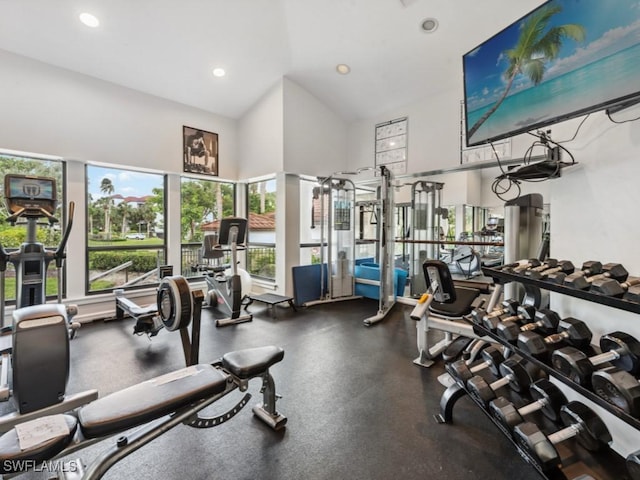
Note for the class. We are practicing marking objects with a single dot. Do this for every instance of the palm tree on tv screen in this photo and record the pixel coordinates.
(536, 46)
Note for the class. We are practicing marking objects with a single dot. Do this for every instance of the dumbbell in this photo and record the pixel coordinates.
(547, 398)
(613, 288)
(545, 321)
(582, 281)
(508, 306)
(570, 330)
(618, 388)
(521, 265)
(565, 267)
(491, 359)
(548, 263)
(633, 294)
(620, 349)
(515, 373)
(524, 313)
(580, 422)
(588, 268)
(633, 465)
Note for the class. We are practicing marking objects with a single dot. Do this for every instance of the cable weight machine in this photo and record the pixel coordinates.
(425, 225)
(336, 198)
(385, 251)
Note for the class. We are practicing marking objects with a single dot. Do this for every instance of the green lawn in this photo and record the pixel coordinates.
(10, 287)
(126, 243)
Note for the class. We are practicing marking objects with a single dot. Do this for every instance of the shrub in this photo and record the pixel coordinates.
(143, 260)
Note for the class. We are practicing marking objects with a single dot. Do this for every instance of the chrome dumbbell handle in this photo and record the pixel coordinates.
(565, 434)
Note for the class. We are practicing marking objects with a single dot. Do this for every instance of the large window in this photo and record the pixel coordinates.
(125, 228)
(202, 204)
(47, 233)
(261, 201)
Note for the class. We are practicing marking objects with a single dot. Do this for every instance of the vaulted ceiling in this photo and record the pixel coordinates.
(169, 48)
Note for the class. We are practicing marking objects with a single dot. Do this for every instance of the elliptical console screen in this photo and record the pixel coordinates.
(24, 191)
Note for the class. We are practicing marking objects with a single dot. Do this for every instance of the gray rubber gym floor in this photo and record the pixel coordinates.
(358, 408)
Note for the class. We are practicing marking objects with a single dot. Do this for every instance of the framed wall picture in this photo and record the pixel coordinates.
(200, 151)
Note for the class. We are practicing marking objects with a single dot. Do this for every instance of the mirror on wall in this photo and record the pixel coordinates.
(463, 224)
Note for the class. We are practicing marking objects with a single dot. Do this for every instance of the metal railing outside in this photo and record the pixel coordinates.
(261, 260)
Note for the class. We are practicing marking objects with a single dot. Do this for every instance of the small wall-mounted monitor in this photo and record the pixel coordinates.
(564, 59)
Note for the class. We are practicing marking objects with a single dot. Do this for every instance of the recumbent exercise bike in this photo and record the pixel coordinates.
(225, 289)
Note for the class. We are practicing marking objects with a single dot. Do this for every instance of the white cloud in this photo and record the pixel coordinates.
(610, 42)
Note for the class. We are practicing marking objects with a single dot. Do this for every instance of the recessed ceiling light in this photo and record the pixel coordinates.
(343, 68)
(89, 20)
(219, 72)
(429, 25)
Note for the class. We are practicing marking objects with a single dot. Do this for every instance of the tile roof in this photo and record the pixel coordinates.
(257, 221)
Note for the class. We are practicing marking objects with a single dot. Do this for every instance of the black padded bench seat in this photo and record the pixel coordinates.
(270, 299)
(250, 362)
(11, 454)
(149, 400)
(462, 305)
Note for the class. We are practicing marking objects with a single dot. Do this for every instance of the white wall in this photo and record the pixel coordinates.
(433, 137)
(261, 129)
(57, 112)
(315, 137)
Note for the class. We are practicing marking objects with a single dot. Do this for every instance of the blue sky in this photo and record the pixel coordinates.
(610, 25)
(125, 182)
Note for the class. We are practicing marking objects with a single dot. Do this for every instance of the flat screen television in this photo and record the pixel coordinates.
(564, 59)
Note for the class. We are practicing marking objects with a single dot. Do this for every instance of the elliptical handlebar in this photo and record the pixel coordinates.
(13, 218)
(60, 253)
(48, 216)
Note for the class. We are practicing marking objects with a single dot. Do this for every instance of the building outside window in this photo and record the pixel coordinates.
(261, 206)
(202, 204)
(125, 224)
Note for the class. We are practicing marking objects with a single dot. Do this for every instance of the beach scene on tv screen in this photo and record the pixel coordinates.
(564, 58)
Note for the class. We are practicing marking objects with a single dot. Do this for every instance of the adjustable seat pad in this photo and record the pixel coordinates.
(10, 451)
(252, 361)
(462, 305)
(149, 400)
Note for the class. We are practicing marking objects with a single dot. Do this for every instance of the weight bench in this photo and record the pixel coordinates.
(271, 300)
(158, 405)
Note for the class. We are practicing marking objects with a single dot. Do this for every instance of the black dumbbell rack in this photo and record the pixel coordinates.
(581, 462)
(620, 303)
(614, 463)
(586, 295)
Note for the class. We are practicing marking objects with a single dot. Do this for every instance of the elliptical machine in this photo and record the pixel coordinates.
(32, 198)
(225, 289)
